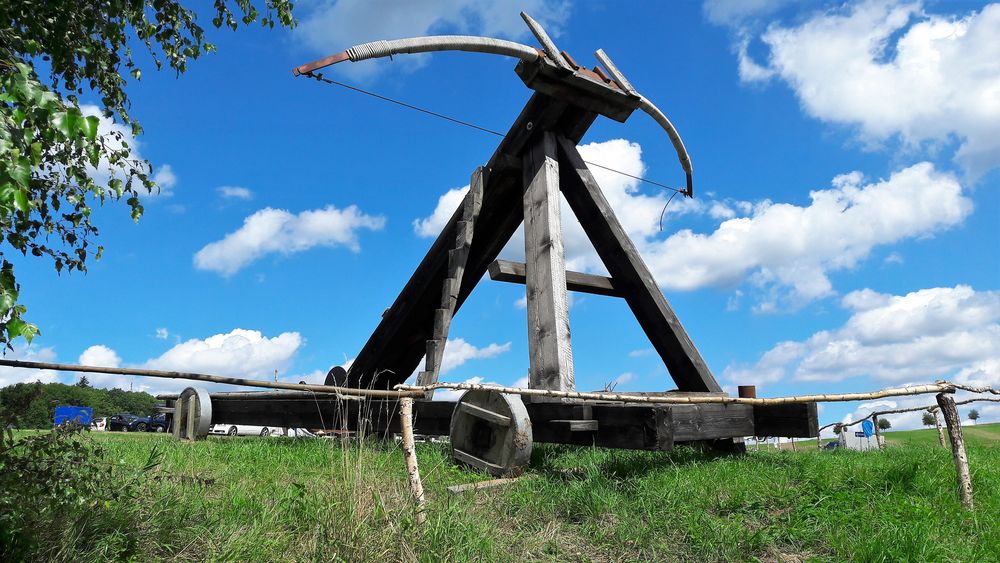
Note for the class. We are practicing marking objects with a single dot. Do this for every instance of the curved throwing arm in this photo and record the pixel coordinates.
(383, 48)
(682, 153)
(472, 43)
(476, 44)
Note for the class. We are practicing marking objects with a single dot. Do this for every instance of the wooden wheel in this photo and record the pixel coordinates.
(491, 431)
(192, 414)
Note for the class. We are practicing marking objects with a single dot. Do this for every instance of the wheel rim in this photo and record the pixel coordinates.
(232, 431)
(491, 431)
(265, 432)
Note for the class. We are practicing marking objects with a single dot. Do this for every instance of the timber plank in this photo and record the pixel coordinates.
(549, 346)
(514, 272)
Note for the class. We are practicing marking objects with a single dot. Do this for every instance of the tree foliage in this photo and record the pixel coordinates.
(55, 163)
(32, 405)
(927, 419)
(974, 415)
(884, 424)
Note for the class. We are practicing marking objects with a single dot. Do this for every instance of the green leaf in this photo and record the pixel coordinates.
(21, 173)
(21, 200)
(90, 125)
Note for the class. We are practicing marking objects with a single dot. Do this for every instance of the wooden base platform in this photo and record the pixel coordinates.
(609, 425)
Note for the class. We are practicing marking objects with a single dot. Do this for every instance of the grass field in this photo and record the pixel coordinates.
(284, 499)
(984, 435)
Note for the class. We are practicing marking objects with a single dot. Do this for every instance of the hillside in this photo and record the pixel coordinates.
(981, 435)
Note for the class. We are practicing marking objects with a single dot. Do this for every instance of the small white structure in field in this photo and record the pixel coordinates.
(857, 440)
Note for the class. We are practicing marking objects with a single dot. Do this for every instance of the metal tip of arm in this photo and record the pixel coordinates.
(321, 63)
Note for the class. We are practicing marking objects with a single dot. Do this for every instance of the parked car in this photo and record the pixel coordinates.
(158, 423)
(239, 430)
(99, 424)
(831, 445)
(128, 422)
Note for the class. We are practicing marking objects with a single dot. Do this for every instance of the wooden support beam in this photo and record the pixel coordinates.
(549, 347)
(397, 345)
(632, 277)
(514, 272)
(632, 426)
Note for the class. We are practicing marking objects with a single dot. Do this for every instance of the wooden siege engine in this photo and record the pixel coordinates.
(535, 162)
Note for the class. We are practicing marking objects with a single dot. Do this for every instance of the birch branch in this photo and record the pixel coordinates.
(939, 387)
(352, 391)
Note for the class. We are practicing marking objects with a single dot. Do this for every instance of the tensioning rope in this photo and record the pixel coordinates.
(320, 78)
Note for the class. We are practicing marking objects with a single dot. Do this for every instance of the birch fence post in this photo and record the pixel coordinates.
(878, 433)
(951, 418)
(410, 456)
(937, 421)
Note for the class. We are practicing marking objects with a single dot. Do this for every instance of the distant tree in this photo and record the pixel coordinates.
(837, 429)
(884, 424)
(54, 55)
(973, 415)
(84, 382)
(928, 419)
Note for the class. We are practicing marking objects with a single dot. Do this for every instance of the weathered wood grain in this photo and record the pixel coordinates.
(514, 272)
(549, 346)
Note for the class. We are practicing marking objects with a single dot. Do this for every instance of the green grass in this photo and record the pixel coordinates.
(283, 499)
(981, 435)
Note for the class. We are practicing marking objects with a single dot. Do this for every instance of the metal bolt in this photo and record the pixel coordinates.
(530, 126)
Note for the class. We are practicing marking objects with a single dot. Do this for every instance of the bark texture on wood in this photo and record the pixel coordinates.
(410, 457)
(937, 421)
(878, 432)
(951, 418)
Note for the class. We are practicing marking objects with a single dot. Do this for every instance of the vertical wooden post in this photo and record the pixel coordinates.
(951, 418)
(551, 355)
(410, 457)
(191, 413)
(937, 421)
(878, 433)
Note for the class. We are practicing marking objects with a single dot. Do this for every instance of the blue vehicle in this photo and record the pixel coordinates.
(73, 415)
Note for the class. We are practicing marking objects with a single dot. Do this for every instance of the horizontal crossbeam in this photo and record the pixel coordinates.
(514, 272)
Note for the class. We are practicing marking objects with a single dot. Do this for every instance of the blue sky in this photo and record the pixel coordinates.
(844, 235)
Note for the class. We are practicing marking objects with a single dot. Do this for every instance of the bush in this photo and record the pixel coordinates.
(56, 485)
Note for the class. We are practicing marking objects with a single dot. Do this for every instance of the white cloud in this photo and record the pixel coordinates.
(734, 12)
(783, 247)
(31, 353)
(100, 355)
(641, 352)
(447, 204)
(271, 231)
(939, 333)
(235, 192)
(891, 69)
(332, 26)
(162, 333)
(240, 352)
(165, 180)
(458, 351)
(103, 356)
(784, 251)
